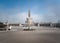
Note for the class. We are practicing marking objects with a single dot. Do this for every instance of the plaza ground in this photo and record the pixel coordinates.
(40, 35)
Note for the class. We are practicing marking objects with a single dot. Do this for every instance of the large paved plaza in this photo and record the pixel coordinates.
(40, 35)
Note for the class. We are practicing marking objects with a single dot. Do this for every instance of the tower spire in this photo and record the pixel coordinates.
(29, 8)
(29, 13)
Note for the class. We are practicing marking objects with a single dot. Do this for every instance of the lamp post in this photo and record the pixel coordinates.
(7, 25)
(7, 22)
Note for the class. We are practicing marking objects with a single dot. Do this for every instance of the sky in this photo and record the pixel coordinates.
(40, 10)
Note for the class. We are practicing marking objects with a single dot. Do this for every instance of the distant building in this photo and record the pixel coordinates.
(55, 25)
(36, 24)
(14, 24)
(45, 24)
(2, 26)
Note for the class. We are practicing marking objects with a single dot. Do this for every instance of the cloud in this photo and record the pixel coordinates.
(52, 14)
(35, 17)
(39, 13)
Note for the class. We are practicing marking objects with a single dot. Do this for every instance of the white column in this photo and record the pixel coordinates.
(38, 25)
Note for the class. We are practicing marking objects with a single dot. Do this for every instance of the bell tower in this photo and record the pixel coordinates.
(29, 21)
